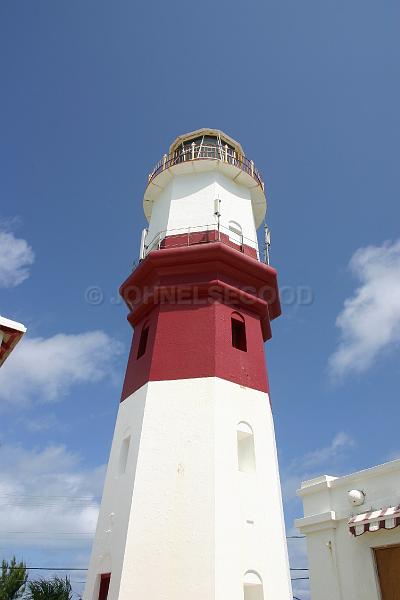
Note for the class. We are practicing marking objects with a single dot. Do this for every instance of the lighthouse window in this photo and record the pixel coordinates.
(144, 335)
(245, 448)
(205, 146)
(239, 340)
(123, 457)
(253, 587)
(235, 233)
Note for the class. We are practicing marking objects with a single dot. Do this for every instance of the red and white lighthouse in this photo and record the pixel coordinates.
(192, 503)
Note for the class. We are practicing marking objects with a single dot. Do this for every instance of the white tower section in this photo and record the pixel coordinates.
(201, 178)
(192, 505)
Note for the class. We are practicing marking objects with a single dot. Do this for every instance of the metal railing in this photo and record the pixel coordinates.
(201, 234)
(206, 152)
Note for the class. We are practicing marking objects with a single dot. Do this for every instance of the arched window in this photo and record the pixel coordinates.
(253, 586)
(144, 336)
(235, 232)
(238, 325)
(123, 456)
(245, 448)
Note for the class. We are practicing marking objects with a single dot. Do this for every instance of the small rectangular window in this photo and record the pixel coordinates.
(144, 335)
(123, 457)
(239, 335)
(246, 452)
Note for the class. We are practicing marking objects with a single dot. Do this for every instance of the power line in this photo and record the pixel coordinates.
(48, 534)
(86, 569)
(50, 568)
(296, 537)
(48, 496)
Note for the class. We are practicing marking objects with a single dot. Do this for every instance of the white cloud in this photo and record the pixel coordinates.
(323, 456)
(315, 463)
(41, 423)
(46, 368)
(370, 320)
(325, 460)
(49, 496)
(16, 256)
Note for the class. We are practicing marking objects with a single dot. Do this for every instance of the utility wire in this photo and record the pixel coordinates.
(47, 496)
(51, 568)
(45, 533)
(86, 569)
(290, 537)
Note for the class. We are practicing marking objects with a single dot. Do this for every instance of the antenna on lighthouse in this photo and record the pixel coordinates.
(143, 246)
(267, 243)
(217, 213)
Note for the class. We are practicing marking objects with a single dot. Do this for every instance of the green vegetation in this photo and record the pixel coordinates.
(12, 580)
(14, 584)
(49, 589)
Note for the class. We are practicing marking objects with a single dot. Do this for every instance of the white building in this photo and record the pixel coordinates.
(192, 508)
(353, 534)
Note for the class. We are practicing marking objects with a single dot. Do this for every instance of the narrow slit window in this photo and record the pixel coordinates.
(239, 340)
(104, 586)
(144, 336)
(123, 457)
(245, 448)
(253, 587)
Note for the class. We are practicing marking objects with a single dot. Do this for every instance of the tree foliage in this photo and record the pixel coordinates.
(50, 589)
(12, 580)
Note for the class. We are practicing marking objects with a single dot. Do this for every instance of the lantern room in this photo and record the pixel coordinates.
(205, 188)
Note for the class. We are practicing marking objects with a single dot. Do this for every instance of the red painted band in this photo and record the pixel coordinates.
(183, 300)
(193, 238)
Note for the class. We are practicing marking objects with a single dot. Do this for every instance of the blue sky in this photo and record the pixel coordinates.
(92, 94)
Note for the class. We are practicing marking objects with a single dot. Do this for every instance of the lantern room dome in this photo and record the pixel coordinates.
(206, 150)
(209, 137)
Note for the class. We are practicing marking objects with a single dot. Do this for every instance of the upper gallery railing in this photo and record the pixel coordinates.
(203, 152)
(198, 234)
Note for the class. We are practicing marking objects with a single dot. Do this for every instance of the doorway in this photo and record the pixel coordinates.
(388, 568)
(104, 585)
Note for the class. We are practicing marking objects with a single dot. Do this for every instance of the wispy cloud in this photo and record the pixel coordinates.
(370, 320)
(328, 459)
(322, 457)
(46, 369)
(16, 256)
(48, 496)
(41, 423)
(321, 461)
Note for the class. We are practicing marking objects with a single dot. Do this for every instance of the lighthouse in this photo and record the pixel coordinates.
(192, 507)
